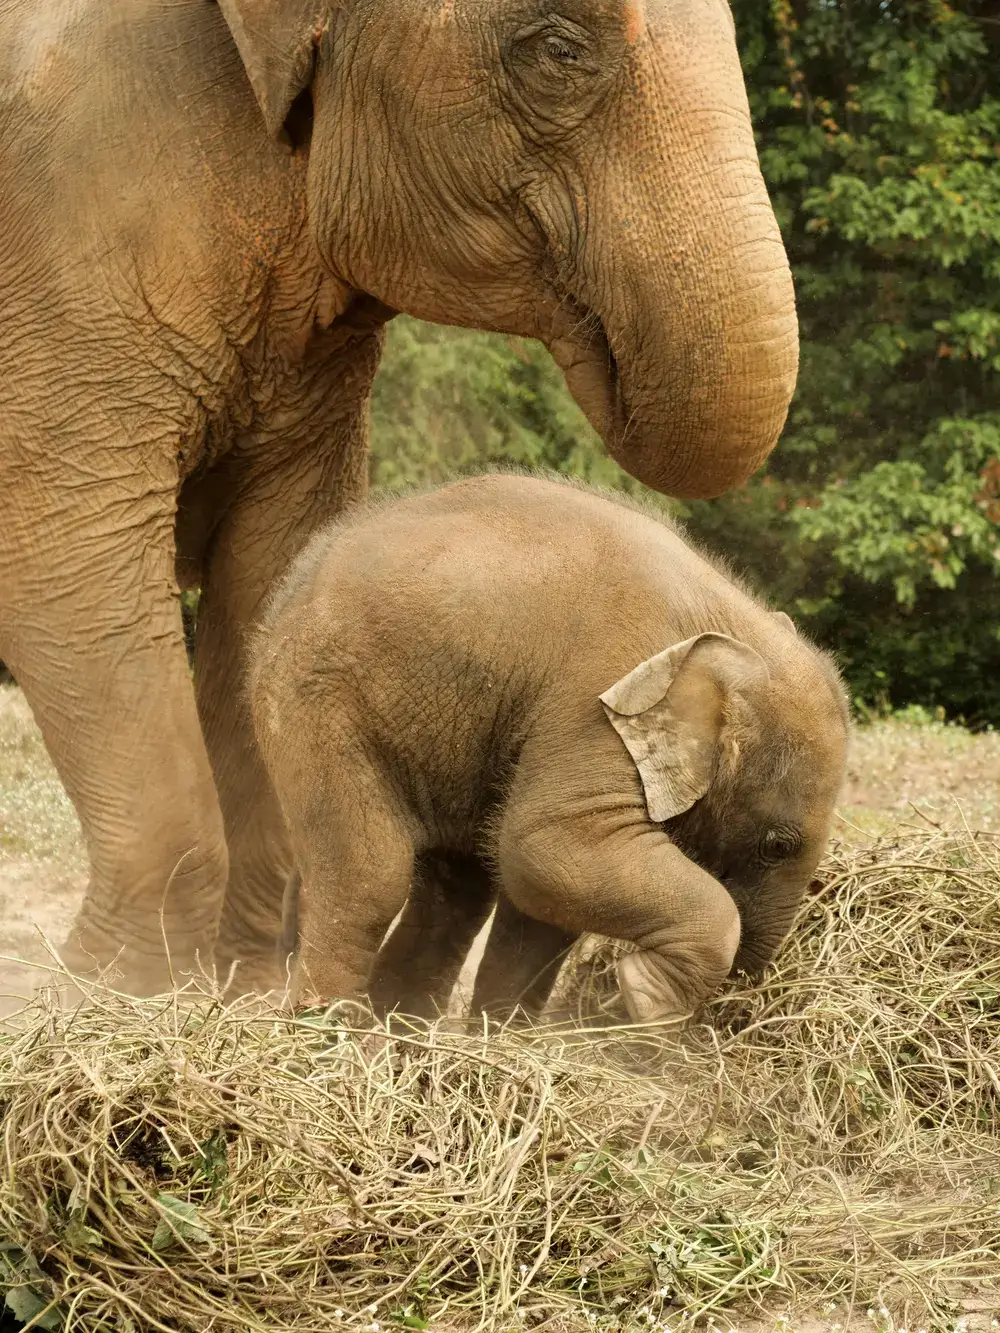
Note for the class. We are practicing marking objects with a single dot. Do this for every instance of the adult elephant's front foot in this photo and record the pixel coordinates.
(246, 956)
(149, 941)
(159, 864)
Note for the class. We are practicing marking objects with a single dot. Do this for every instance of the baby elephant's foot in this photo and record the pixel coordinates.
(649, 994)
(666, 981)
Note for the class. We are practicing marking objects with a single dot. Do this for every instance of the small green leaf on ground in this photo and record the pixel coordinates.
(25, 1304)
(78, 1236)
(179, 1222)
(213, 1161)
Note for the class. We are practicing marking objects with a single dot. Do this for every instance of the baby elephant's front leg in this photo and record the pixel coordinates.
(634, 885)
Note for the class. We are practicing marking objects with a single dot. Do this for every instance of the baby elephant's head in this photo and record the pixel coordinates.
(742, 763)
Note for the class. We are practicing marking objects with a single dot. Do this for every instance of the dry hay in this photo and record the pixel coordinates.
(834, 1135)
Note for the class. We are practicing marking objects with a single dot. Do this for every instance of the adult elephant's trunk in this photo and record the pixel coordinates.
(679, 337)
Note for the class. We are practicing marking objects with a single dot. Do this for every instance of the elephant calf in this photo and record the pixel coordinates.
(517, 688)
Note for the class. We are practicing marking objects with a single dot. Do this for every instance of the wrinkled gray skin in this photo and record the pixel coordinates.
(207, 211)
(518, 686)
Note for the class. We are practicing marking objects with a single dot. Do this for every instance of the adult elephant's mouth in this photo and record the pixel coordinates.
(580, 346)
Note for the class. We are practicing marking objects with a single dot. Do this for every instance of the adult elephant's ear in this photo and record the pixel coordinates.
(277, 42)
(670, 713)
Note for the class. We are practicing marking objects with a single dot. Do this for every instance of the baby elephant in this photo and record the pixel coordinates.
(518, 691)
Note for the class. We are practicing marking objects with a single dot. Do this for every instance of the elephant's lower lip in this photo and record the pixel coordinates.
(583, 351)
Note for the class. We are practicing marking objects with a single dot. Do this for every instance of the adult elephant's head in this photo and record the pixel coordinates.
(580, 171)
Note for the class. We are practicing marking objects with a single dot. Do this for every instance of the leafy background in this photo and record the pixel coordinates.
(877, 520)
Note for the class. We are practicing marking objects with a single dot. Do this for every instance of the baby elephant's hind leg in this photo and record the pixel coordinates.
(520, 964)
(355, 859)
(420, 962)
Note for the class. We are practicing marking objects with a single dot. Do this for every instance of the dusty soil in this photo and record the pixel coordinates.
(42, 861)
(931, 772)
(897, 771)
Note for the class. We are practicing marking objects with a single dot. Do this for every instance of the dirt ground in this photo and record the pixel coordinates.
(920, 773)
(897, 771)
(42, 861)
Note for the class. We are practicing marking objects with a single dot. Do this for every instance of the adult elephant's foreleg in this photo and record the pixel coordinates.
(91, 626)
(287, 491)
(259, 856)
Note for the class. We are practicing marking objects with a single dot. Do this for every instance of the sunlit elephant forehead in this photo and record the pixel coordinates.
(631, 13)
(635, 20)
(654, 16)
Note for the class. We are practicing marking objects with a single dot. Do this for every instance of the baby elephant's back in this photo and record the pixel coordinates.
(500, 575)
(470, 601)
(442, 596)
(426, 628)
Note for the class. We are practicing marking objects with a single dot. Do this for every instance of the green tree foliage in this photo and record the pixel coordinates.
(879, 132)
(877, 521)
(449, 401)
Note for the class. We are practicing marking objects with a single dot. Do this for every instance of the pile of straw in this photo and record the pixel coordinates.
(830, 1134)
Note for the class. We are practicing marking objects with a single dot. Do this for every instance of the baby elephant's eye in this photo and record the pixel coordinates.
(780, 844)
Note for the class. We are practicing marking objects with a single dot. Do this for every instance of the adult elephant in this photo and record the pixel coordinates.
(207, 212)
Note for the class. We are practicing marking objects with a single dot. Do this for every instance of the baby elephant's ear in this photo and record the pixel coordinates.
(669, 712)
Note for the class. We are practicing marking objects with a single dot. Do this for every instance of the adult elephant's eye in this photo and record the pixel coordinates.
(779, 844)
(553, 58)
(562, 51)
